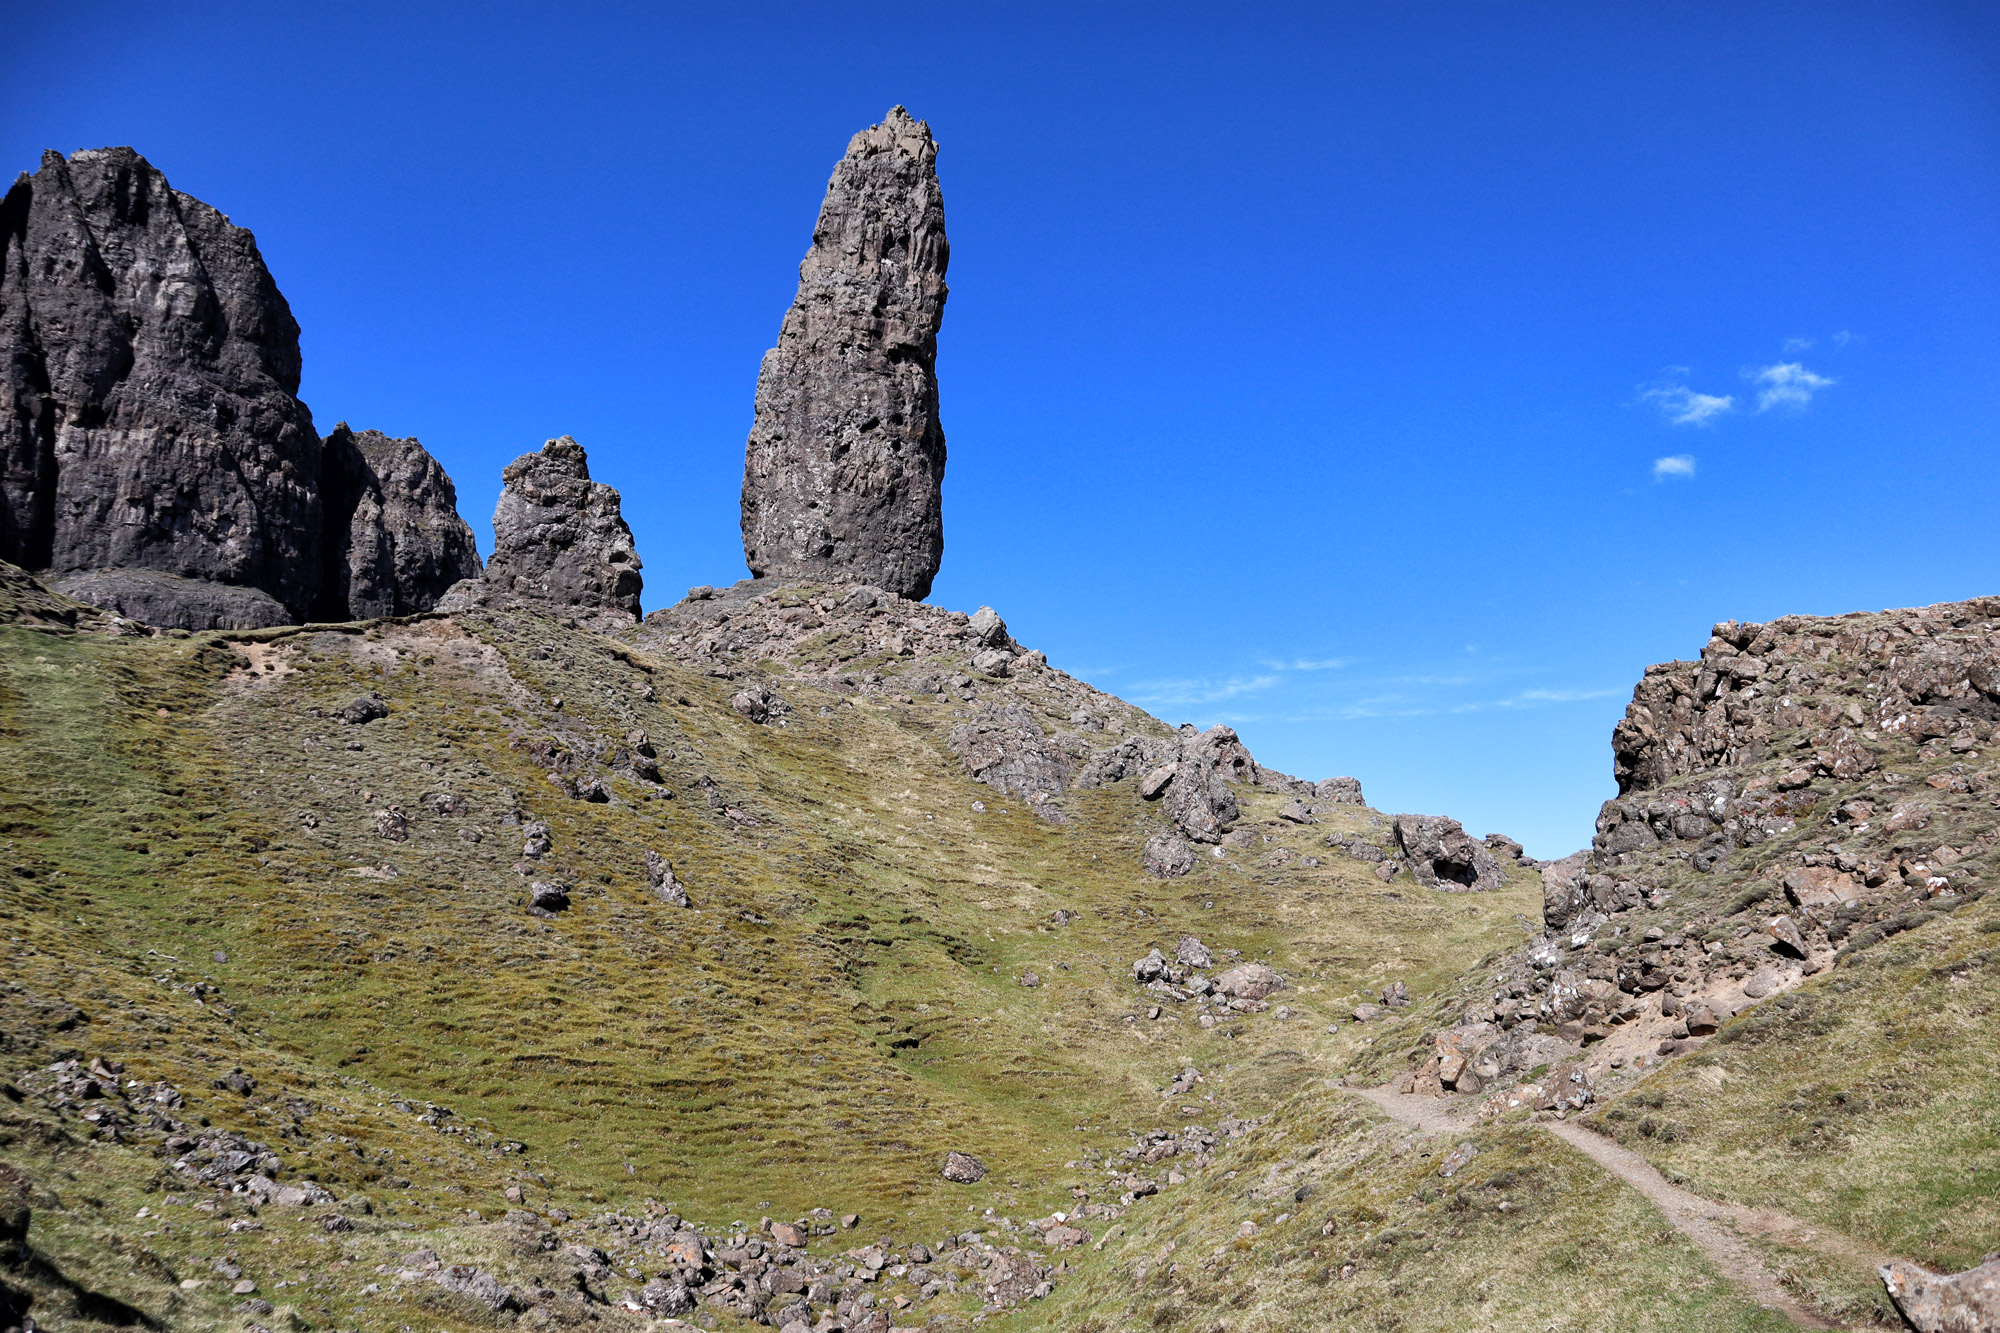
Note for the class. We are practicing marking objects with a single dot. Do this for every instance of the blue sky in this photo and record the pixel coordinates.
(1393, 382)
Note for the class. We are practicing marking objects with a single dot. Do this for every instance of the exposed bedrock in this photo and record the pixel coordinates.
(393, 538)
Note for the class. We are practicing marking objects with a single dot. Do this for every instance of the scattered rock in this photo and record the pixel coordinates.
(842, 476)
(1294, 812)
(1396, 995)
(1167, 855)
(1457, 1159)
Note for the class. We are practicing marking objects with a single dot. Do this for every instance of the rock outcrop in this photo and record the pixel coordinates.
(558, 541)
(155, 459)
(842, 477)
(1442, 855)
(393, 539)
(149, 373)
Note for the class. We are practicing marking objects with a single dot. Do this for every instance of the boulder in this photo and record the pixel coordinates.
(393, 539)
(559, 542)
(1442, 855)
(962, 1168)
(1167, 855)
(1339, 791)
(660, 877)
(843, 473)
(1563, 888)
(1191, 952)
(1250, 981)
(1967, 1302)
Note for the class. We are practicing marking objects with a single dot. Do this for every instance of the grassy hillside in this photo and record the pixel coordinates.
(314, 932)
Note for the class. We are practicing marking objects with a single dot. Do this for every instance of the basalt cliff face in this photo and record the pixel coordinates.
(150, 371)
(155, 459)
(842, 478)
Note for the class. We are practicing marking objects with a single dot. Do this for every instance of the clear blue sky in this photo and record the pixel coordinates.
(1306, 368)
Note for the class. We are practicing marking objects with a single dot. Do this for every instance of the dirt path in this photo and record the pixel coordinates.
(1717, 1229)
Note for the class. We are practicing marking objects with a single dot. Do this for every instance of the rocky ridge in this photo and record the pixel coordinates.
(1803, 791)
(842, 474)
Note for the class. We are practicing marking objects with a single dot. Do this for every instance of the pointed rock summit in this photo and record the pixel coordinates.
(559, 540)
(842, 476)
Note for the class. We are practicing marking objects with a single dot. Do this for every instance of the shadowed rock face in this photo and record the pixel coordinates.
(846, 457)
(149, 371)
(394, 540)
(558, 537)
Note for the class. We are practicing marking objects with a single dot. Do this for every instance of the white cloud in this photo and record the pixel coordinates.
(1684, 407)
(1676, 465)
(1788, 384)
(1324, 664)
(1845, 337)
(1167, 693)
(1797, 345)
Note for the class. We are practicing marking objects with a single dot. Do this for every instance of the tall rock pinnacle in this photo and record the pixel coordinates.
(149, 373)
(843, 472)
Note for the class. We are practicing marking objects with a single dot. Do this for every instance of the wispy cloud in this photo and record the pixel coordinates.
(1167, 693)
(1682, 406)
(1534, 699)
(1325, 664)
(1787, 384)
(1846, 336)
(1676, 465)
(1796, 345)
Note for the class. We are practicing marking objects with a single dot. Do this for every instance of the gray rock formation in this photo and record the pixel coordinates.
(1197, 794)
(172, 602)
(149, 372)
(558, 541)
(1442, 855)
(1967, 1302)
(841, 480)
(393, 539)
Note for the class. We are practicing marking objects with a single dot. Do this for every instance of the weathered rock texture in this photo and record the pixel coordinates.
(149, 372)
(841, 480)
(1967, 1302)
(1442, 855)
(1843, 687)
(559, 540)
(393, 538)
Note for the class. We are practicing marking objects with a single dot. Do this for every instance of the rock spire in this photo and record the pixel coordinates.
(842, 476)
(558, 541)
